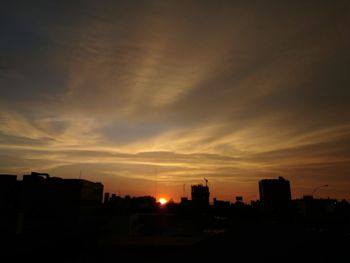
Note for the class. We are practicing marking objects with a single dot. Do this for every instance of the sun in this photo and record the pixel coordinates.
(162, 201)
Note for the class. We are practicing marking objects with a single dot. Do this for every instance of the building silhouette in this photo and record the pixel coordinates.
(8, 190)
(8, 202)
(67, 218)
(275, 194)
(43, 204)
(200, 195)
(39, 189)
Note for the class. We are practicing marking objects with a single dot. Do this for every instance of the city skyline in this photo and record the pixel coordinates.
(164, 198)
(149, 97)
(273, 193)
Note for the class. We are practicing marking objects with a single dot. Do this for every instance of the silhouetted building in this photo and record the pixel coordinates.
(33, 192)
(200, 195)
(310, 207)
(128, 205)
(8, 202)
(56, 206)
(83, 191)
(106, 198)
(184, 200)
(239, 199)
(275, 194)
(8, 187)
(220, 204)
(41, 190)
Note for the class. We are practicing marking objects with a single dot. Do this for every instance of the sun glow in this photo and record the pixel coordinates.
(162, 201)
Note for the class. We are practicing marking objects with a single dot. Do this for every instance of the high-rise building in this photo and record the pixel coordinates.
(200, 195)
(275, 194)
(8, 184)
(8, 202)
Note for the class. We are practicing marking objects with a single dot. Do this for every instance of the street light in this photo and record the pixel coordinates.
(318, 187)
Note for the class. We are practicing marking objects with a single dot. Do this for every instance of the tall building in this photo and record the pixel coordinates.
(8, 190)
(8, 202)
(200, 195)
(275, 194)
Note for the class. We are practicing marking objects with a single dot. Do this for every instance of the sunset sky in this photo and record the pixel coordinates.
(149, 97)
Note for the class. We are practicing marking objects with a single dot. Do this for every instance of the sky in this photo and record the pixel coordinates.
(150, 97)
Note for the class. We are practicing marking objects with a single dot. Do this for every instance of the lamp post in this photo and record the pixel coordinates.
(318, 187)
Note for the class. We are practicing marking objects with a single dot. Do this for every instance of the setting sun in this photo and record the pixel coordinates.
(162, 201)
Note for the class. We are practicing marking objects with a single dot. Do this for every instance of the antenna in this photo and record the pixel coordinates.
(183, 190)
(206, 181)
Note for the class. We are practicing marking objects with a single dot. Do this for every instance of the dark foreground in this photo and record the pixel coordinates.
(262, 242)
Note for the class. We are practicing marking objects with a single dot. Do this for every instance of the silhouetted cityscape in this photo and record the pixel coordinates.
(78, 221)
